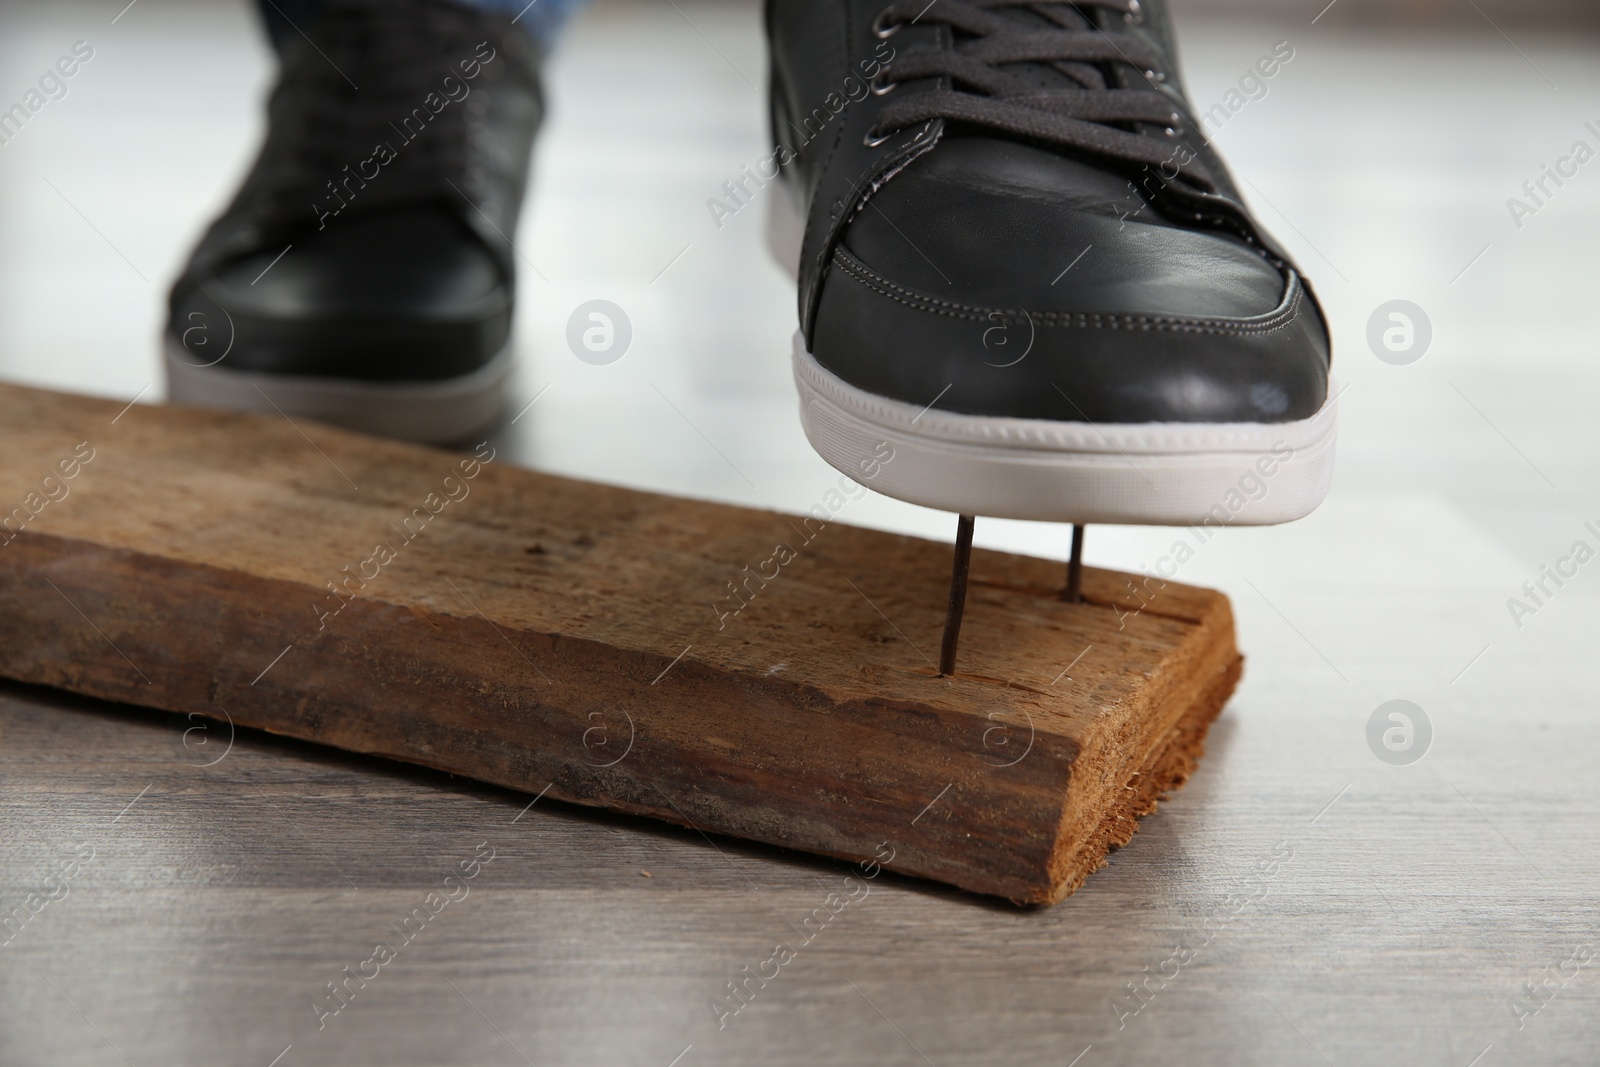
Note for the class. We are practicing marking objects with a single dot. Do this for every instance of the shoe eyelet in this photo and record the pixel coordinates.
(1134, 16)
(882, 28)
(1155, 76)
(875, 142)
(879, 86)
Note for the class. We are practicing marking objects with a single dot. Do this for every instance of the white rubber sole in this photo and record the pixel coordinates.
(1150, 474)
(442, 412)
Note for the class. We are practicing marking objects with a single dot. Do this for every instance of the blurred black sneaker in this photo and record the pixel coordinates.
(364, 275)
(1026, 275)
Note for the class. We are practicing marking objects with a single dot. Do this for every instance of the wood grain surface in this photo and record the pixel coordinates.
(737, 671)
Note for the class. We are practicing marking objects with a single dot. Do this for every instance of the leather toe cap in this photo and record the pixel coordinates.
(403, 295)
(996, 279)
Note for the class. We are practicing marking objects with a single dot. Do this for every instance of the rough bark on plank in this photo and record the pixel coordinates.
(544, 633)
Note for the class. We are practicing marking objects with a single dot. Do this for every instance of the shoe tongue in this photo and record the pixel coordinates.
(988, 161)
(401, 136)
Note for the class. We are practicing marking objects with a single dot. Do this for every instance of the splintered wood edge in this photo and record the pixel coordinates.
(1166, 772)
(1176, 710)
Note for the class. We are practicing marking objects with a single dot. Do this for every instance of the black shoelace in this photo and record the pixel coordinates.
(1044, 71)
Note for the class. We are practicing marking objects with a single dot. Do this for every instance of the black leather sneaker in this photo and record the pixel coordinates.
(1023, 270)
(364, 275)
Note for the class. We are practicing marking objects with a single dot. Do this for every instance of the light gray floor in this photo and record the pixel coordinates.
(1417, 901)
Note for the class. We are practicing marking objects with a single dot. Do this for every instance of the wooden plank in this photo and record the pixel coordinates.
(583, 640)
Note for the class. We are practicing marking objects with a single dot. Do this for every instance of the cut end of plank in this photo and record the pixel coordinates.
(742, 672)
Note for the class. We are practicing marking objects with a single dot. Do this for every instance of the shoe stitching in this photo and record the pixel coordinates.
(1272, 322)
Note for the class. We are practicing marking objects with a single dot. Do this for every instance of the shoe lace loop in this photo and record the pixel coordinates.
(1045, 71)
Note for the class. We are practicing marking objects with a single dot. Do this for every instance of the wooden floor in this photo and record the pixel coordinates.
(1301, 901)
